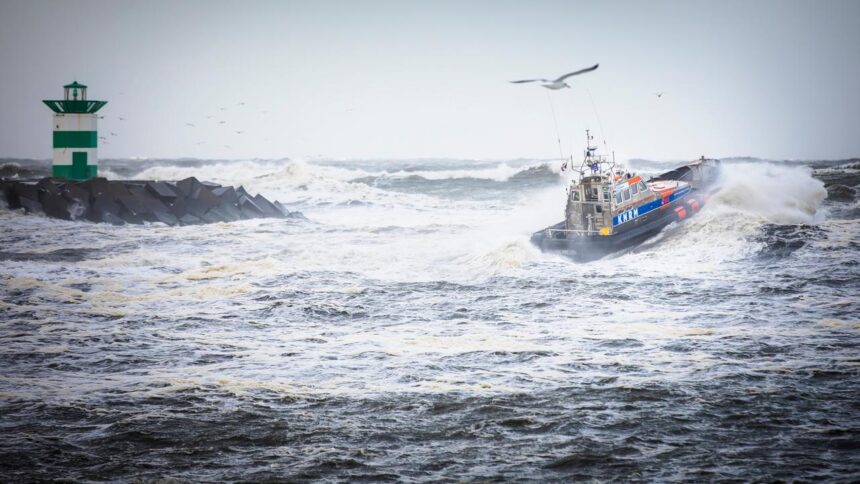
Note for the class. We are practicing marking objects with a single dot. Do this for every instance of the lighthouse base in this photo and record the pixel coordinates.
(79, 172)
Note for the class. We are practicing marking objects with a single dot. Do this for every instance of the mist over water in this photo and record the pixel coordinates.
(408, 330)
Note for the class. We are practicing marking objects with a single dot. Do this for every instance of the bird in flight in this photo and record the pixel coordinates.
(658, 94)
(558, 83)
(239, 132)
(189, 124)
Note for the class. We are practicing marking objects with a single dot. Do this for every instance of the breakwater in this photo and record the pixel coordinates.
(186, 202)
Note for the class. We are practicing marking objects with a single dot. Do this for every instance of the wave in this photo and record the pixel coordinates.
(501, 172)
(774, 193)
(310, 183)
(23, 169)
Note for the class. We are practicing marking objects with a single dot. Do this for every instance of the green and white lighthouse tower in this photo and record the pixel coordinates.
(75, 133)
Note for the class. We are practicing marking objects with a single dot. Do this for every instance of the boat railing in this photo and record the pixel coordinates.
(592, 202)
(550, 232)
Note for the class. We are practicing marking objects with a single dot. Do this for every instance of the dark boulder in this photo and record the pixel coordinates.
(95, 186)
(103, 204)
(231, 212)
(178, 207)
(117, 189)
(31, 206)
(161, 190)
(213, 216)
(265, 206)
(166, 218)
(56, 206)
(26, 190)
(206, 198)
(188, 187)
(48, 185)
(226, 194)
(196, 207)
(79, 200)
(189, 219)
(132, 210)
(248, 208)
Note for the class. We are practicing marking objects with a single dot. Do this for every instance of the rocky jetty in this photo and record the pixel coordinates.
(186, 202)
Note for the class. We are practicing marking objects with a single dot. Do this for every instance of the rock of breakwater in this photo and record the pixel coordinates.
(186, 202)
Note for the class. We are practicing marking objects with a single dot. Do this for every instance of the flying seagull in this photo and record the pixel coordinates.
(558, 83)
(658, 94)
(189, 124)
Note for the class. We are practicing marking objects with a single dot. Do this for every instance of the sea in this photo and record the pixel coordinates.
(406, 330)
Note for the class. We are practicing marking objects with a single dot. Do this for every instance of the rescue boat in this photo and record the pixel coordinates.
(610, 209)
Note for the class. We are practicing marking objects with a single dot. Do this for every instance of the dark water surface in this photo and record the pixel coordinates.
(408, 331)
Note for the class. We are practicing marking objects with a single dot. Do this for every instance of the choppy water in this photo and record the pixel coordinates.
(409, 331)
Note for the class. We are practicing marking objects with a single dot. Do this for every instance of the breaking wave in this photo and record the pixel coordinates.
(776, 194)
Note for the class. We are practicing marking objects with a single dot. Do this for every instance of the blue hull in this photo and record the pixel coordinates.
(585, 248)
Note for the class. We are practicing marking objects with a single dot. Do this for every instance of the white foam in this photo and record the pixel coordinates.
(773, 193)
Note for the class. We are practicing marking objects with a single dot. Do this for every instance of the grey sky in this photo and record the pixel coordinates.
(405, 79)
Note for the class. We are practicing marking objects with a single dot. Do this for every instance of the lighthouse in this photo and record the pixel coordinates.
(75, 133)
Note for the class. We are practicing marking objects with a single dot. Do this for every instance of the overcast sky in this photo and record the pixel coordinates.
(409, 79)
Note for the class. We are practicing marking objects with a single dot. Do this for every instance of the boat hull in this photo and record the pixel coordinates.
(585, 248)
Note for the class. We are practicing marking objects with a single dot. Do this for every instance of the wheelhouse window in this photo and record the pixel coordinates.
(575, 196)
(618, 198)
(626, 194)
(634, 189)
(642, 186)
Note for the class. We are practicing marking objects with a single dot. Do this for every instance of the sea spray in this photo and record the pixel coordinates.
(779, 194)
